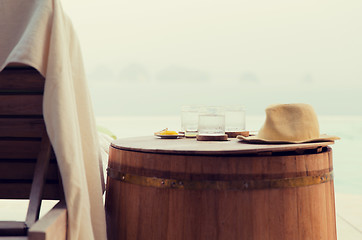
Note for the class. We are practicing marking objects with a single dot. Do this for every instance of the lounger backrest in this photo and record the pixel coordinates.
(21, 129)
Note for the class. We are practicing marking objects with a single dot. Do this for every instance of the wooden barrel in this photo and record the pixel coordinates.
(184, 189)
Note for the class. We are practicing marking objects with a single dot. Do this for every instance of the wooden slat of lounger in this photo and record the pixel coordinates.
(22, 149)
(12, 170)
(21, 127)
(21, 79)
(52, 226)
(40, 173)
(14, 238)
(21, 104)
(12, 228)
(22, 191)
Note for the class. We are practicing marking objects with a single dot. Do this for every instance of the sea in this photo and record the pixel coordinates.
(347, 152)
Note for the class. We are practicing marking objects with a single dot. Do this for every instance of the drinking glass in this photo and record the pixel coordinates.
(211, 121)
(189, 120)
(234, 118)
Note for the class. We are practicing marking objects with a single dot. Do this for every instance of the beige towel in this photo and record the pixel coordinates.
(37, 33)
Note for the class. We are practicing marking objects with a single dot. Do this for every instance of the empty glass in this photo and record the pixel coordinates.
(189, 120)
(234, 118)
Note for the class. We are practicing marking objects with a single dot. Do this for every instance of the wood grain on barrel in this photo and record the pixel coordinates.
(138, 212)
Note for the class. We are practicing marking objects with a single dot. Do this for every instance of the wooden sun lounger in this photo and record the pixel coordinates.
(28, 167)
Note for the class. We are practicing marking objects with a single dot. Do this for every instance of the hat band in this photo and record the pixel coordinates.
(219, 185)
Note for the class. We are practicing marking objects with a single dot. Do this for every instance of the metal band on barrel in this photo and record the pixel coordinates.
(219, 185)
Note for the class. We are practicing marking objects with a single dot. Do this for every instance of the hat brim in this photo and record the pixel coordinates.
(255, 139)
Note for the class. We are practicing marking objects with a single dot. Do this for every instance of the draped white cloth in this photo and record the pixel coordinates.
(39, 34)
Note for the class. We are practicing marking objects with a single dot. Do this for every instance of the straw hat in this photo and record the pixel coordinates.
(289, 123)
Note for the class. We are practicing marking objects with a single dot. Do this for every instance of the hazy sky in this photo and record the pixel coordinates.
(279, 39)
(267, 42)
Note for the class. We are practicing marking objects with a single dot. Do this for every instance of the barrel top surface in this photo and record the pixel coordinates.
(152, 144)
